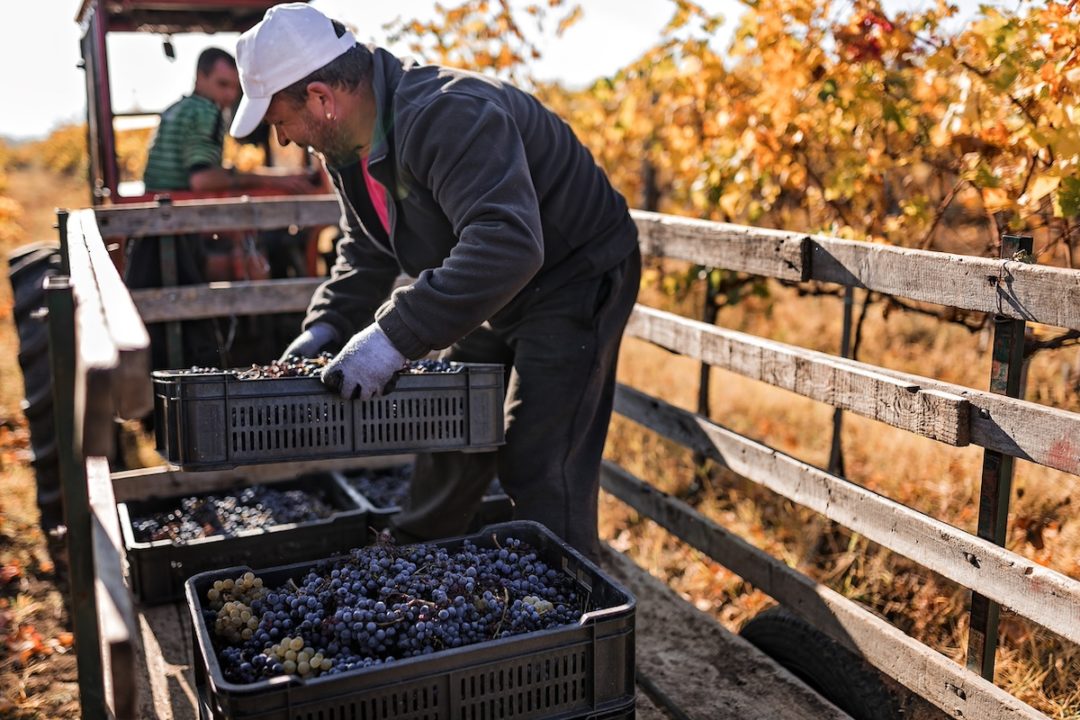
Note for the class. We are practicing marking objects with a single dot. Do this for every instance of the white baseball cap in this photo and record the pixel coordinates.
(292, 41)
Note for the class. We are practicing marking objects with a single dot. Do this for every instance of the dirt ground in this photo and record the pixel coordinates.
(38, 678)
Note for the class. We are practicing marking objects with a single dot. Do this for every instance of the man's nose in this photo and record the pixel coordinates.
(282, 138)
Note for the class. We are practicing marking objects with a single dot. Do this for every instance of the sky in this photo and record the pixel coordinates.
(42, 38)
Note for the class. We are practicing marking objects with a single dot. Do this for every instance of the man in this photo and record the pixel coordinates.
(186, 154)
(186, 151)
(522, 251)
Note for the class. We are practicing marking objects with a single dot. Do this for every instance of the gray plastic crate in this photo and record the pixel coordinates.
(575, 671)
(159, 568)
(216, 420)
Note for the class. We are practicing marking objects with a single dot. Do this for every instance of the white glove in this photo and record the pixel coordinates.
(365, 366)
(312, 341)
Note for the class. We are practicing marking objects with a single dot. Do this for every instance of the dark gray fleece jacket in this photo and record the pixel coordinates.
(493, 202)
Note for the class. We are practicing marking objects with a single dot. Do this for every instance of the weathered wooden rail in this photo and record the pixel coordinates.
(1015, 292)
(100, 370)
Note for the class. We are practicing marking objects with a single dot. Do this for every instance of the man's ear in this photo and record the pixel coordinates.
(321, 100)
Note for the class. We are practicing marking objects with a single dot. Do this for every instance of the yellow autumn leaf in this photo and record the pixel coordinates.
(1042, 186)
(572, 17)
(996, 199)
(729, 203)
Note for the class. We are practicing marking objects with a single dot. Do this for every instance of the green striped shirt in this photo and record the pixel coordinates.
(189, 138)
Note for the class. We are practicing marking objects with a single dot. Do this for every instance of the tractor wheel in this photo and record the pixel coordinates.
(835, 672)
(27, 269)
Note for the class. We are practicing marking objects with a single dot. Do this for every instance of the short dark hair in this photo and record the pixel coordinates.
(210, 57)
(347, 71)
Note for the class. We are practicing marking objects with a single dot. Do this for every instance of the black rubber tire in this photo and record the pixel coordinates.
(836, 673)
(16, 256)
(27, 269)
(27, 276)
(38, 406)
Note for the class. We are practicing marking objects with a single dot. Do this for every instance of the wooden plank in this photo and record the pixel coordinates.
(166, 679)
(855, 387)
(192, 302)
(116, 616)
(1026, 430)
(133, 396)
(1036, 592)
(954, 689)
(772, 253)
(200, 216)
(157, 482)
(97, 354)
(1037, 433)
(1015, 289)
(690, 661)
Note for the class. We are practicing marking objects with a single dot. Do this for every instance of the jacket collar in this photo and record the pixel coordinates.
(387, 72)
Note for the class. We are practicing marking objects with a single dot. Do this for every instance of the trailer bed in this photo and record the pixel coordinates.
(689, 666)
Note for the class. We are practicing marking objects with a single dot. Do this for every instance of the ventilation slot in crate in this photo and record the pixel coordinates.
(537, 687)
(261, 426)
(400, 422)
(417, 703)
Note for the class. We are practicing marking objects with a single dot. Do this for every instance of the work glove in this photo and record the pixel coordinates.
(308, 344)
(366, 365)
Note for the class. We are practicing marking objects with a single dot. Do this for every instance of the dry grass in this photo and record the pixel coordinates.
(941, 481)
(37, 673)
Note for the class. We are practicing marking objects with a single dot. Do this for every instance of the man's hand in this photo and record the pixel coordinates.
(364, 366)
(312, 341)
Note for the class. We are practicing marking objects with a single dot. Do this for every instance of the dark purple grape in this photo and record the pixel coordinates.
(383, 602)
(256, 507)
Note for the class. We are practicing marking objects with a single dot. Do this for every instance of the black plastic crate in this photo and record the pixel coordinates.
(216, 420)
(495, 506)
(629, 712)
(574, 671)
(159, 568)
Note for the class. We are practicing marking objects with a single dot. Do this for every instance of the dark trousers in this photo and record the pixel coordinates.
(560, 387)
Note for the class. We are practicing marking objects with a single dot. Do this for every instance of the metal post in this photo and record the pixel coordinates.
(836, 452)
(61, 226)
(997, 473)
(60, 300)
(708, 316)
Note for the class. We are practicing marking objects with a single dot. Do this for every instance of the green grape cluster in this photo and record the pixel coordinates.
(299, 659)
(232, 600)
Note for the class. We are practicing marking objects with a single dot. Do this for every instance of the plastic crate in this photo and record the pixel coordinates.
(629, 712)
(159, 569)
(574, 671)
(495, 507)
(216, 420)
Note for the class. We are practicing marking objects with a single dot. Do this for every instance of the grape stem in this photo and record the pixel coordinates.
(506, 609)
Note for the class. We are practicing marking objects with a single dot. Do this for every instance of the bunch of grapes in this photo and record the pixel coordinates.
(292, 366)
(382, 603)
(389, 487)
(296, 366)
(383, 487)
(431, 366)
(251, 508)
